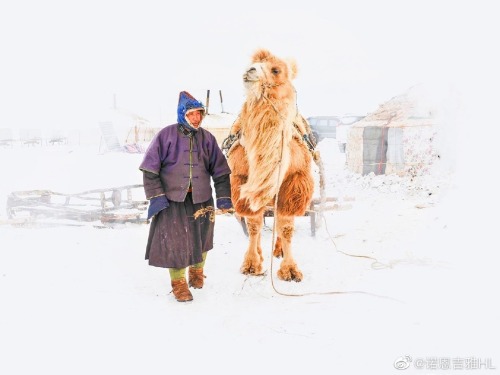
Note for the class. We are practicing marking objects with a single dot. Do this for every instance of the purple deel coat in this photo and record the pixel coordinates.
(175, 158)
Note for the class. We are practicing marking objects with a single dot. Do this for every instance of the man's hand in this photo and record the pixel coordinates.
(225, 205)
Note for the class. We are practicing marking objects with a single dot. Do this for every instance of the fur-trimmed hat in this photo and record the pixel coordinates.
(187, 103)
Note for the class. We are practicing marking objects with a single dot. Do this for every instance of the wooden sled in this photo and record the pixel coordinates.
(108, 206)
(315, 209)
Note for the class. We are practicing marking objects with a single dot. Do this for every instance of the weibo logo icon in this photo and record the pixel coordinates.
(402, 363)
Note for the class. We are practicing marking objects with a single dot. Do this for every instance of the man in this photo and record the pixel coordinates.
(177, 168)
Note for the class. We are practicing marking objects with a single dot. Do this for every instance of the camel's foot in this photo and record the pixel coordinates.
(250, 267)
(289, 273)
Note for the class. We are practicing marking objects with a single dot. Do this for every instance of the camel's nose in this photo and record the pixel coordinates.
(251, 70)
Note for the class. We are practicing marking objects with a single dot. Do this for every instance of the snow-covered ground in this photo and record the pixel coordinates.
(399, 268)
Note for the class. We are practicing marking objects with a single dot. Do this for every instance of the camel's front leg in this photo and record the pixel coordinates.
(252, 264)
(288, 269)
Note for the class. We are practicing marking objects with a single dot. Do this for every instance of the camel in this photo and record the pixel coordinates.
(270, 161)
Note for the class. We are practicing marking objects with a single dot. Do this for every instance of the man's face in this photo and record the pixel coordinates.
(194, 118)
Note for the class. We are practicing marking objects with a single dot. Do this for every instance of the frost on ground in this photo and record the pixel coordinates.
(394, 269)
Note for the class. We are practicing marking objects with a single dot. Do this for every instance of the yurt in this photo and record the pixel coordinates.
(398, 138)
(124, 130)
(219, 124)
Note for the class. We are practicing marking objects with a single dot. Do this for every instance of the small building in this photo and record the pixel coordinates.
(397, 138)
(219, 125)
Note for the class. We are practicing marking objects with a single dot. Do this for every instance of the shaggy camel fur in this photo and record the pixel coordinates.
(270, 159)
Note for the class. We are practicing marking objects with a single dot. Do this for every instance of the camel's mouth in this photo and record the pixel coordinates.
(251, 75)
(248, 79)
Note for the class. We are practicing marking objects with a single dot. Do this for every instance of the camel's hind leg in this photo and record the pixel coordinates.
(252, 264)
(288, 268)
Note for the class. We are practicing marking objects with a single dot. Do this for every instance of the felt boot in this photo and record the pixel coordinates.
(196, 277)
(181, 290)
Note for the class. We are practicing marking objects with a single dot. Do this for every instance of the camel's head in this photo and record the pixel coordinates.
(269, 74)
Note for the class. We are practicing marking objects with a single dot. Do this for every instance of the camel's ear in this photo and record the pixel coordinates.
(260, 55)
(292, 65)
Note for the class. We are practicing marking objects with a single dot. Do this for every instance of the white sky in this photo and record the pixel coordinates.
(63, 61)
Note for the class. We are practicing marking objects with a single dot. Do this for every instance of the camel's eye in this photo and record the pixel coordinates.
(275, 71)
